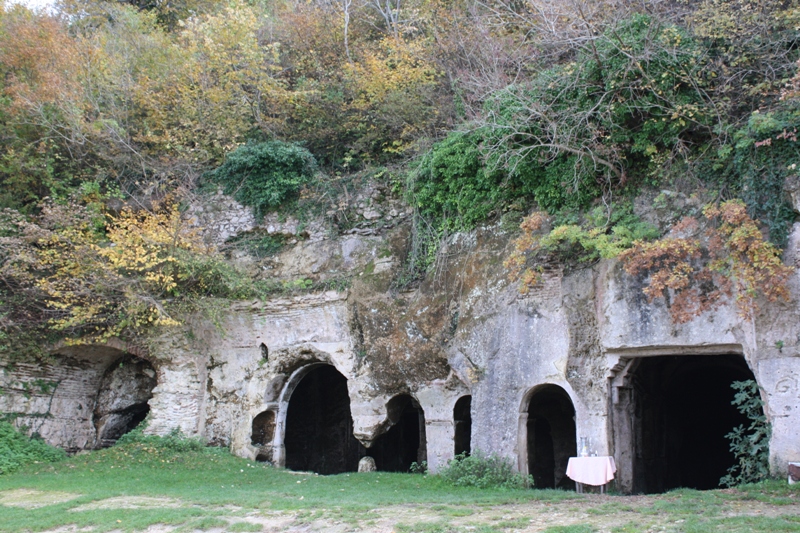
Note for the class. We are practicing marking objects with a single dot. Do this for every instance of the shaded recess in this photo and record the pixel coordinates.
(404, 443)
(681, 410)
(121, 404)
(319, 426)
(551, 438)
(462, 422)
(262, 433)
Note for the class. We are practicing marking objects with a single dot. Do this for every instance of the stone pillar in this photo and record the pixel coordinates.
(440, 434)
(177, 399)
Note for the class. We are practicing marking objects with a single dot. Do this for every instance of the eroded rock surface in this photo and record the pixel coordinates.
(465, 331)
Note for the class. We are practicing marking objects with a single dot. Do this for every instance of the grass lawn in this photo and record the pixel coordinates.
(139, 486)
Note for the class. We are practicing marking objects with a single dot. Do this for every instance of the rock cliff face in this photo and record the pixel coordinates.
(584, 355)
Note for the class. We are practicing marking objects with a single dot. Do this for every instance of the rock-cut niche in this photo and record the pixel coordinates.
(121, 405)
(404, 442)
(551, 437)
(263, 431)
(462, 426)
(319, 426)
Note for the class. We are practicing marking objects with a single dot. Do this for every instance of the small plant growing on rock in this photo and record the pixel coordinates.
(484, 471)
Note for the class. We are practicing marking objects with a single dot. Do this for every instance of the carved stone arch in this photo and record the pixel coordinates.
(289, 366)
(314, 426)
(291, 383)
(462, 425)
(547, 435)
(113, 343)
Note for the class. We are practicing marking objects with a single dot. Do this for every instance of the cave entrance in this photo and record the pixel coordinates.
(121, 404)
(462, 422)
(404, 443)
(319, 426)
(670, 424)
(262, 434)
(551, 440)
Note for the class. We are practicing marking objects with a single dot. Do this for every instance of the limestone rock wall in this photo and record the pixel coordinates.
(57, 399)
(464, 330)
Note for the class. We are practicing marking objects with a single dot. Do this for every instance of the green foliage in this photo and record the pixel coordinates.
(483, 471)
(605, 233)
(757, 162)
(749, 444)
(451, 184)
(173, 442)
(559, 185)
(418, 468)
(452, 190)
(62, 277)
(18, 450)
(265, 175)
(612, 114)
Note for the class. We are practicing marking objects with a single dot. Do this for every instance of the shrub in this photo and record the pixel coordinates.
(265, 175)
(627, 102)
(451, 184)
(749, 444)
(18, 450)
(484, 471)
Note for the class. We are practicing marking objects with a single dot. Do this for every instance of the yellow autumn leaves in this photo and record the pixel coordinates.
(118, 280)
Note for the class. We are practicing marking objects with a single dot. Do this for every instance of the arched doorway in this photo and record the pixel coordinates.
(462, 422)
(550, 436)
(680, 412)
(404, 442)
(319, 426)
(121, 404)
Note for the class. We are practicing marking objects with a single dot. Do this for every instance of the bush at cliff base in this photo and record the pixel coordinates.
(18, 450)
(484, 471)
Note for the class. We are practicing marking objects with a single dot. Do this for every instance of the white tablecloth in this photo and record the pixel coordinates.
(593, 471)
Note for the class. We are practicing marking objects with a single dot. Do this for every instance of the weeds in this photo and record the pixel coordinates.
(18, 450)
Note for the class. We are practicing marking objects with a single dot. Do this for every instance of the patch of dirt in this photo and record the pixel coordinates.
(131, 502)
(602, 512)
(33, 499)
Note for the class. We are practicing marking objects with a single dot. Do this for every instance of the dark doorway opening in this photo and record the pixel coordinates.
(462, 422)
(319, 426)
(551, 437)
(404, 443)
(121, 404)
(681, 413)
(262, 434)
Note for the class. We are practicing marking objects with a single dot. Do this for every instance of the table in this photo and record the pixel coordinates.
(595, 471)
